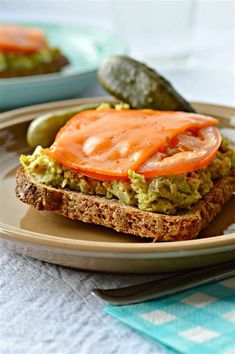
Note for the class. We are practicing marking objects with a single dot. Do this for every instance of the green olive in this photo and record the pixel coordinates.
(43, 129)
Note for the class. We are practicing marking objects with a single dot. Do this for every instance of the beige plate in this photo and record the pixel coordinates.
(55, 239)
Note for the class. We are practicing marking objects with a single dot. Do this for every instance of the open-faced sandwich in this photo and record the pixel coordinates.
(158, 174)
(25, 51)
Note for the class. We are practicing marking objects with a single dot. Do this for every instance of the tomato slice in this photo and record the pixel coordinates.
(196, 152)
(16, 38)
(105, 144)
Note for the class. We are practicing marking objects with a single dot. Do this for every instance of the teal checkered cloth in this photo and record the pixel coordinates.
(200, 321)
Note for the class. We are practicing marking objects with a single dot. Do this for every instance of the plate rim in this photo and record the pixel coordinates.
(221, 242)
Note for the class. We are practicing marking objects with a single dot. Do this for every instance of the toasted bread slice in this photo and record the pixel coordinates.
(121, 217)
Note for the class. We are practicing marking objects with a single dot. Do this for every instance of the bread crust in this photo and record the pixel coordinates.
(125, 218)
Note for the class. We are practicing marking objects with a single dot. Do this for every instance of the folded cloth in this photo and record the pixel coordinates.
(201, 320)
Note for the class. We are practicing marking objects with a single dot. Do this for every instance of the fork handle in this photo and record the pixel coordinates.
(167, 286)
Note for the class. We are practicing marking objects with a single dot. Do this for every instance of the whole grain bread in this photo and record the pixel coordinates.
(124, 218)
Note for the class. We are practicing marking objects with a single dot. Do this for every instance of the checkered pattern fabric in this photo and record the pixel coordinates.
(201, 320)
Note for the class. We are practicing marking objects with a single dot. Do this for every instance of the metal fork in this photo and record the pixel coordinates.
(168, 286)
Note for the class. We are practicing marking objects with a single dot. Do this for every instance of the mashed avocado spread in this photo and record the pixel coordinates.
(15, 61)
(168, 195)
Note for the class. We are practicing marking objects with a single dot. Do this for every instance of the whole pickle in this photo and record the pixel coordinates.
(140, 86)
(42, 130)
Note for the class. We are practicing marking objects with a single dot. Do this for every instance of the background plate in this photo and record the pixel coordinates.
(85, 47)
(55, 239)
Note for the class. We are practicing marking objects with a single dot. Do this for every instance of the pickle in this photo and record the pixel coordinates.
(140, 86)
(42, 130)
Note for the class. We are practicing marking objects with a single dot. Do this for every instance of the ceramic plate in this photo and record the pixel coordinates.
(85, 47)
(55, 239)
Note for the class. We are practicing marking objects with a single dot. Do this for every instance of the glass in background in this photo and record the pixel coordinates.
(156, 31)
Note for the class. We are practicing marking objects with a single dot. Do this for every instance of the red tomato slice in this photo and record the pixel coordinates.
(21, 39)
(191, 153)
(105, 144)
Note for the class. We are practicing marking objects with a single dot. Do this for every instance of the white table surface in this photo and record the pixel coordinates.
(49, 309)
